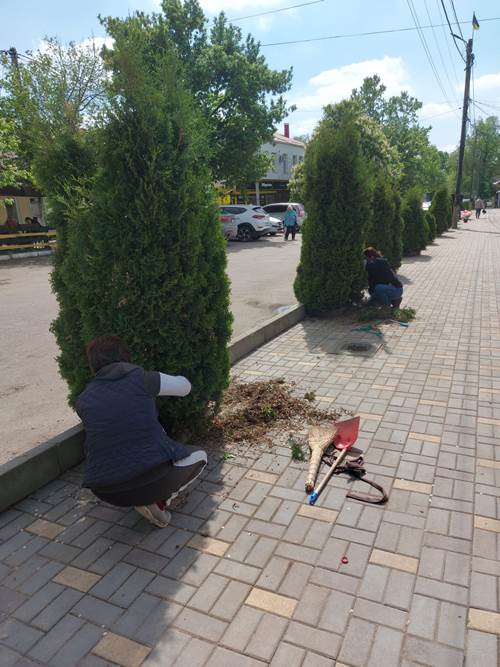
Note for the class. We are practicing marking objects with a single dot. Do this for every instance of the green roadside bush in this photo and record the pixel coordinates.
(331, 262)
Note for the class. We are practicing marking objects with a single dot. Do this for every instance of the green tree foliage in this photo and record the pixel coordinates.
(59, 90)
(145, 257)
(331, 266)
(379, 233)
(481, 159)
(10, 172)
(441, 209)
(416, 231)
(238, 94)
(296, 183)
(431, 225)
(395, 255)
(423, 165)
(385, 228)
(381, 157)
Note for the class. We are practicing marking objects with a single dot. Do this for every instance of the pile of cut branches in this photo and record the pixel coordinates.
(249, 411)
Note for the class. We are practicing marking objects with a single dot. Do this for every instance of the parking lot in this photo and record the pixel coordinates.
(32, 394)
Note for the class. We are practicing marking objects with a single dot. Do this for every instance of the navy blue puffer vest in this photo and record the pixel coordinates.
(123, 435)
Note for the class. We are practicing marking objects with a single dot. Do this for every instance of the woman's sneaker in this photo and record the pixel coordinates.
(154, 515)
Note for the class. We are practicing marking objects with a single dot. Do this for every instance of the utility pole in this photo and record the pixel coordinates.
(13, 57)
(465, 112)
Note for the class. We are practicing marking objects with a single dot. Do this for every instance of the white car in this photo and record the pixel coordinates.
(253, 222)
(278, 210)
(229, 226)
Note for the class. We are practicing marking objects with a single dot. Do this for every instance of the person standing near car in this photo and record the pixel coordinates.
(478, 205)
(290, 222)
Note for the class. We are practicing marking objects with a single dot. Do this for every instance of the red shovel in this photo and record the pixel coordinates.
(345, 437)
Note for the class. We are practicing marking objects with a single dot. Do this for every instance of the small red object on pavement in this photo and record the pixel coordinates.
(344, 560)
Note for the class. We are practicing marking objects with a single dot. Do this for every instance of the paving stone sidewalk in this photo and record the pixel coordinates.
(248, 574)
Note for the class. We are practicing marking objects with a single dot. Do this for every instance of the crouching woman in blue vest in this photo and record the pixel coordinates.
(130, 460)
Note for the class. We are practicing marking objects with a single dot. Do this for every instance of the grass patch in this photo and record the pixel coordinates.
(372, 313)
(297, 451)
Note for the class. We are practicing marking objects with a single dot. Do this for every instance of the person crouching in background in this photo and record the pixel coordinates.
(384, 286)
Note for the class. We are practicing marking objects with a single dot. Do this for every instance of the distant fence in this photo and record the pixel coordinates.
(26, 238)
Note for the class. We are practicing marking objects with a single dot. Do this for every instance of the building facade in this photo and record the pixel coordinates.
(285, 153)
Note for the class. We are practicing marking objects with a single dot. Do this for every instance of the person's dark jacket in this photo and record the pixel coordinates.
(380, 273)
(123, 437)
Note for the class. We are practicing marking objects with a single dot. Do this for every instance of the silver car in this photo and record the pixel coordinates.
(252, 221)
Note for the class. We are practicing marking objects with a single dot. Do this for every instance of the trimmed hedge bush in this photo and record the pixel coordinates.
(144, 257)
(441, 209)
(416, 230)
(331, 262)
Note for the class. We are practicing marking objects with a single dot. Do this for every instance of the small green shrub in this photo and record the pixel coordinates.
(297, 450)
(441, 209)
(415, 231)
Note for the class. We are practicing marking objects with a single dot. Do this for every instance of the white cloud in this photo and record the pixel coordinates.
(234, 7)
(97, 42)
(488, 83)
(448, 148)
(435, 109)
(265, 23)
(333, 85)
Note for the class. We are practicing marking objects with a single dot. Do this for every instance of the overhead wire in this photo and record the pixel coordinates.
(275, 11)
(445, 68)
(456, 19)
(369, 33)
(447, 43)
(428, 54)
(451, 30)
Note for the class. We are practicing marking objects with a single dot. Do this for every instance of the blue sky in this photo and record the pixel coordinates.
(323, 71)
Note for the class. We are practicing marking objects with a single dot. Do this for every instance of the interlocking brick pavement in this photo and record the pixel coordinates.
(248, 574)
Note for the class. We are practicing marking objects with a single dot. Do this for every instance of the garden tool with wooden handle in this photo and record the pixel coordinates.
(320, 438)
(343, 439)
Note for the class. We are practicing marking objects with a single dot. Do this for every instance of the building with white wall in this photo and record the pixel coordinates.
(285, 153)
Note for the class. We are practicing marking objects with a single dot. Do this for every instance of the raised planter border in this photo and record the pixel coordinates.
(30, 471)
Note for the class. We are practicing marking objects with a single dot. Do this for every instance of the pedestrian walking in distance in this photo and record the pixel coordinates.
(478, 205)
(290, 222)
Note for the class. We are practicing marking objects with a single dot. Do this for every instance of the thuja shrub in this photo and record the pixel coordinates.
(331, 267)
(146, 258)
(441, 209)
(415, 232)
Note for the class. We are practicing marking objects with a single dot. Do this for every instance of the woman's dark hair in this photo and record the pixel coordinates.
(371, 253)
(105, 350)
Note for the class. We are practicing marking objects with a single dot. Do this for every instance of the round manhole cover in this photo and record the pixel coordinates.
(358, 348)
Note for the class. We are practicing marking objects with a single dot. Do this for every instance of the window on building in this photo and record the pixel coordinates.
(285, 163)
(301, 159)
(294, 160)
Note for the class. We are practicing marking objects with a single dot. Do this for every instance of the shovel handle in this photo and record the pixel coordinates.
(315, 494)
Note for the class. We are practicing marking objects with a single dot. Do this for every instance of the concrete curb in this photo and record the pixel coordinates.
(4, 256)
(28, 472)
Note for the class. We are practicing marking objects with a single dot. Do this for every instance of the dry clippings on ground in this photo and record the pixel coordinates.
(250, 411)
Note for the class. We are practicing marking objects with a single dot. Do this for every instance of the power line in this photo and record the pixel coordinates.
(443, 113)
(485, 104)
(275, 11)
(421, 35)
(456, 20)
(369, 34)
(446, 41)
(451, 29)
(445, 68)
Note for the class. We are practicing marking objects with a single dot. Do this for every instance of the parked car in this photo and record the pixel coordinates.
(278, 210)
(252, 221)
(229, 226)
(276, 225)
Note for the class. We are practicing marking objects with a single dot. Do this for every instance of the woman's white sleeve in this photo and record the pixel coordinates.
(174, 385)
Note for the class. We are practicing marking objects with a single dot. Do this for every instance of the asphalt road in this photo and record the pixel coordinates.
(32, 394)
